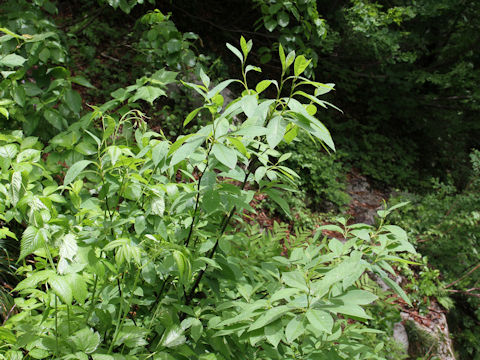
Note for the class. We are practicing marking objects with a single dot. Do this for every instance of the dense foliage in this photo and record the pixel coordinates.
(135, 162)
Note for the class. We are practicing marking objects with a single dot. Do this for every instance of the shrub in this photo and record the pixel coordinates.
(132, 246)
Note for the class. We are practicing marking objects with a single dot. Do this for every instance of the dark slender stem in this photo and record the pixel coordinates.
(224, 226)
(197, 200)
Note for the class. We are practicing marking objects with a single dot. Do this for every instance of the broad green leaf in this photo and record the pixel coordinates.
(172, 337)
(79, 287)
(275, 195)
(61, 288)
(12, 60)
(392, 285)
(54, 118)
(8, 151)
(218, 88)
(349, 309)
(159, 152)
(274, 333)
(75, 171)
(260, 173)
(114, 152)
(284, 293)
(80, 80)
(295, 279)
(249, 105)
(147, 93)
(269, 316)
(73, 100)
(290, 58)
(225, 155)
(140, 224)
(262, 85)
(239, 145)
(320, 320)
(358, 297)
(294, 329)
(86, 148)
(187, 149)
(33, 279)
(196, 330)
(244, 46)
(158, 205)
(300, 65)
(68, 247)
(85, 340)
(132, 337)
(4, 112)
(275, 131)
(283, 19)
(32, 240)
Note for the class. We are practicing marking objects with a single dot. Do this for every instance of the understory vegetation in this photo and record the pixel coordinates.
(176, 178)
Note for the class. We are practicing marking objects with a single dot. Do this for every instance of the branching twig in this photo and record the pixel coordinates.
(464, 276)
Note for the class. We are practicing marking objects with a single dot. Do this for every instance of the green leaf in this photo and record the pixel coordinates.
(281, 53)
(114, 152)
(159, 152)
(191, 116)
(219, 88)
(262, 85)
(79, 287)
(140, 224)
(33, 279)
(274, 333)
(85, 340)
(320, 320)
(68, 247)
(269, 316)
(249, 105)
(8, 151)
(61, 288)
(300, 65)
(132, 336)
(80, 80)
(32, 240)
(393, 285)
(239, 145)
(54, 118)
(225, 155)
(12, 60)
(244, 46)
(205, 78)
(158, 205)
(147, 93)
(172, 337)
(275, 131)
(358, 297)
(295, 279)
(290, 58)
(235, 51)
(187, 149)
(351, 310)
(75, 170)
(73, 100)
(275, 195)
(284, 293)
(196, 330)
(294, 329)
(283, 19)
(4, 112)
